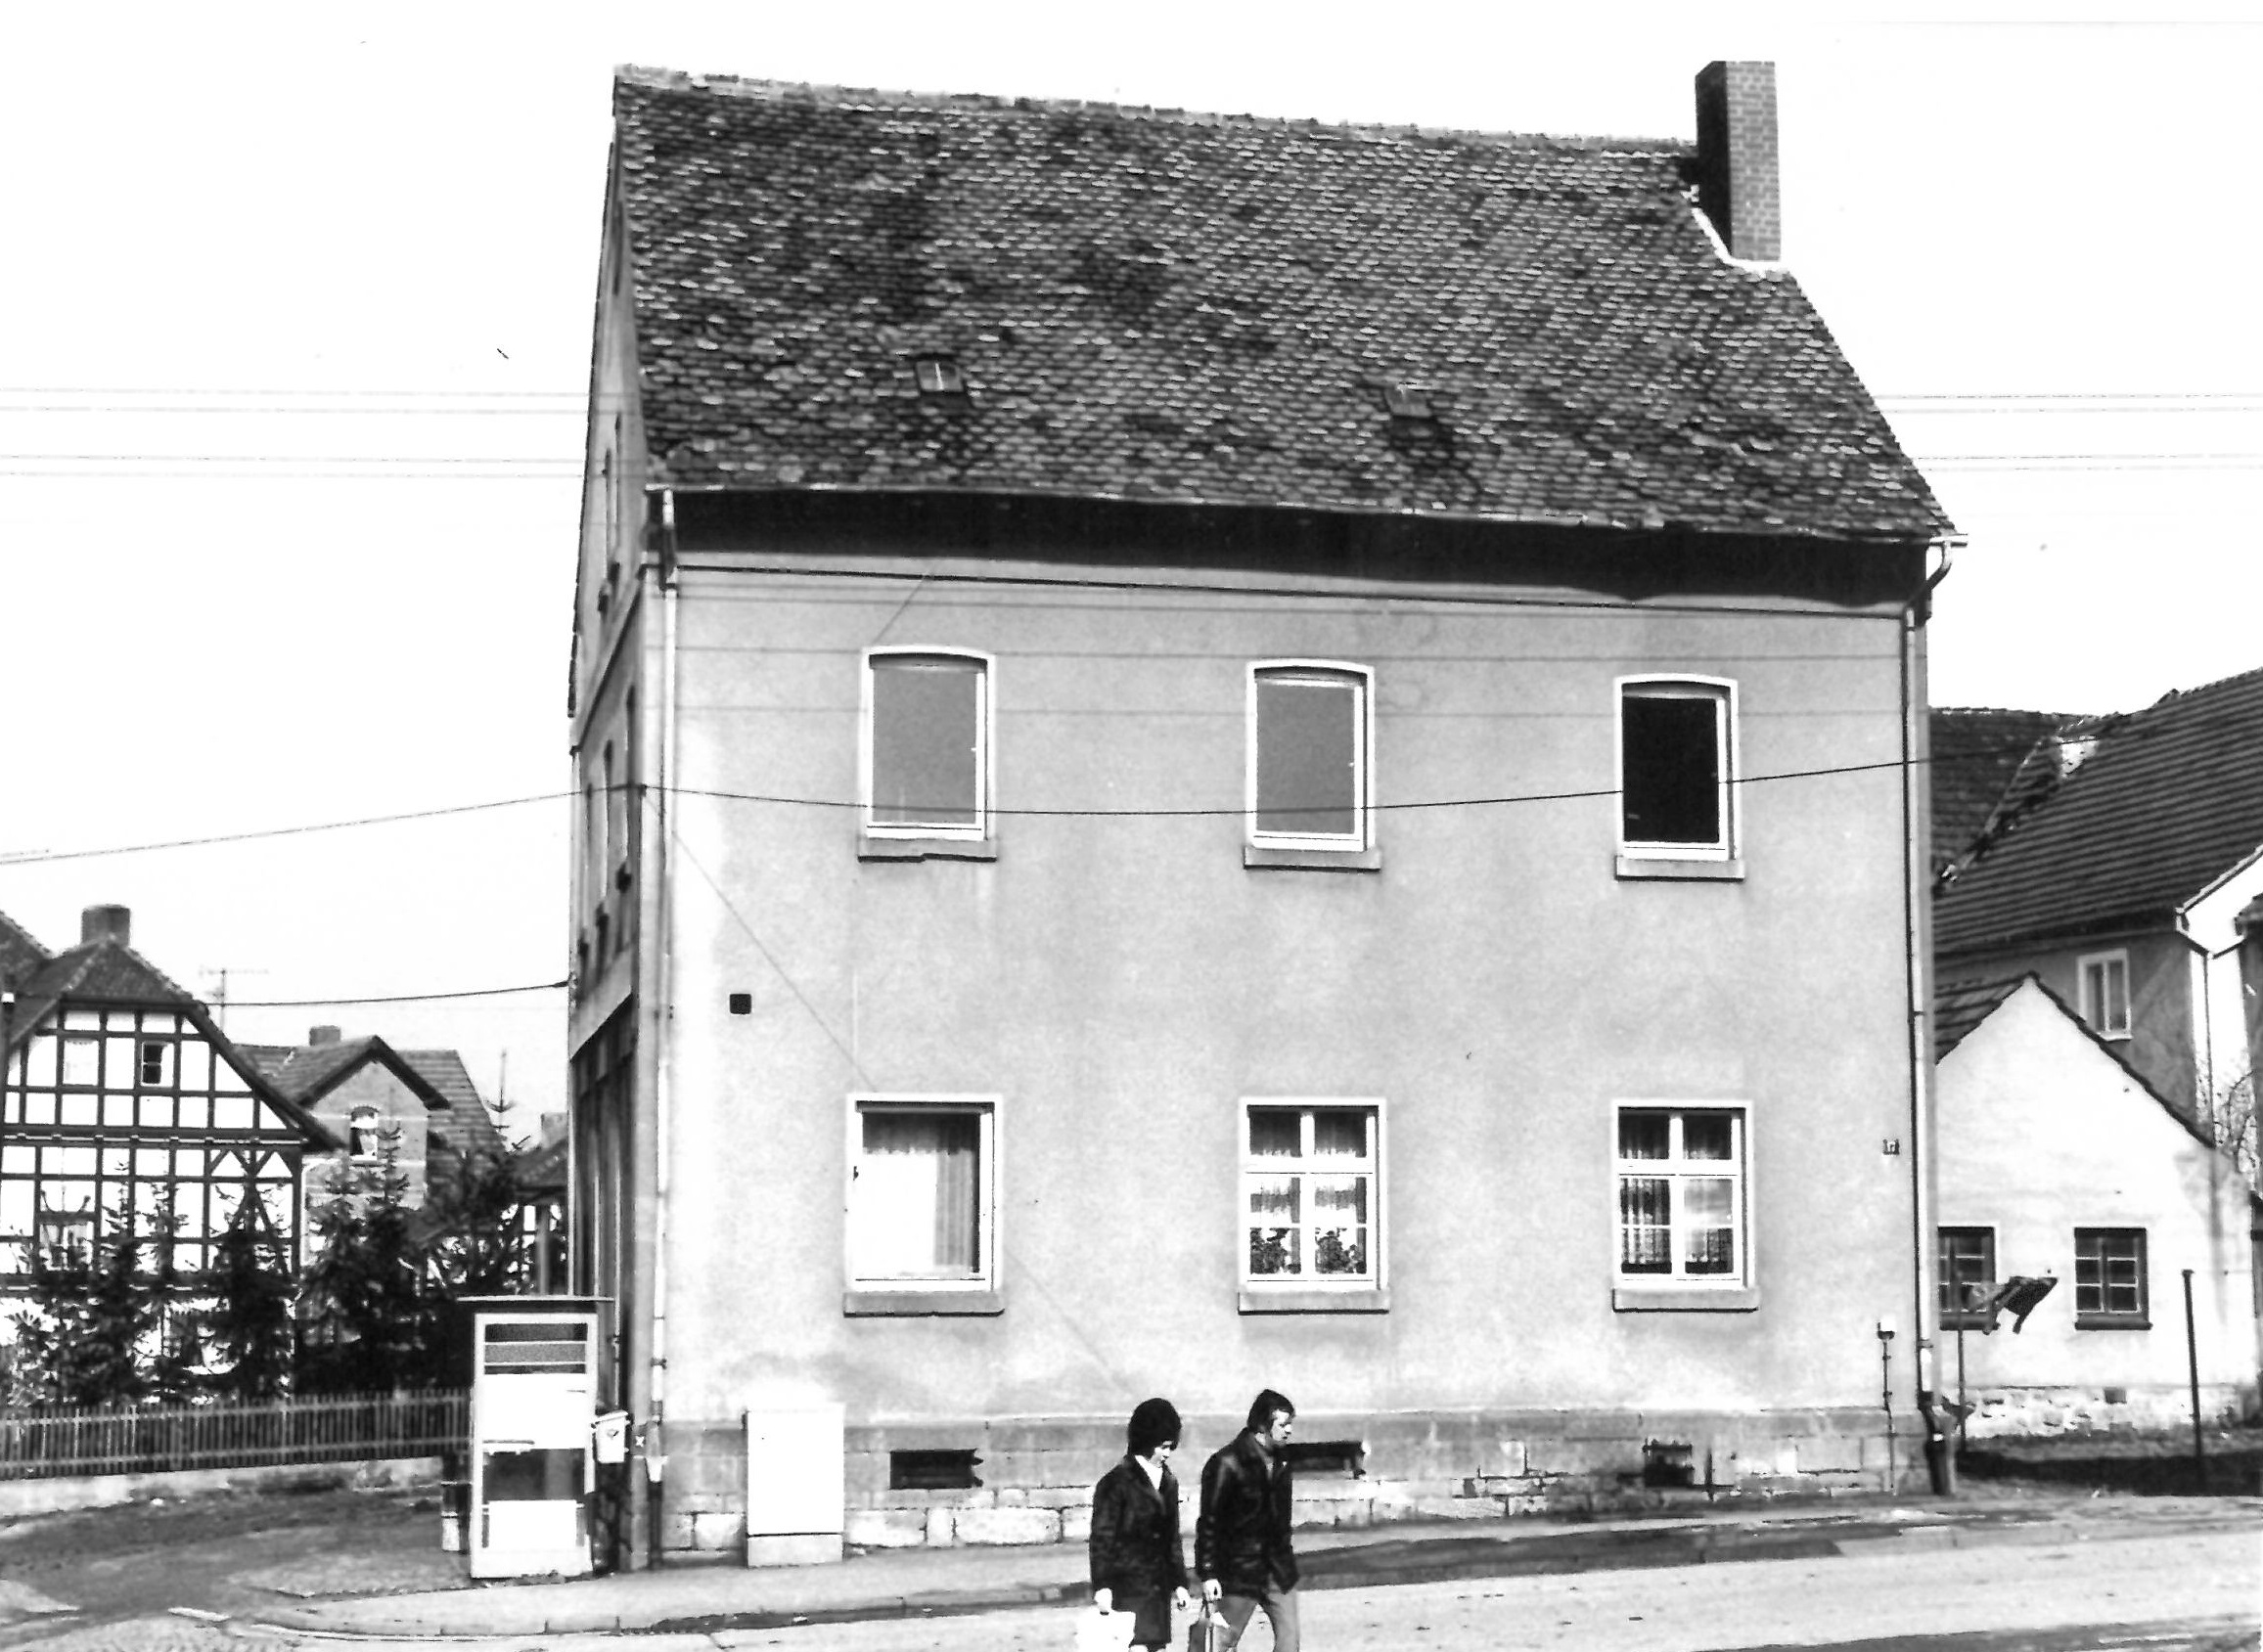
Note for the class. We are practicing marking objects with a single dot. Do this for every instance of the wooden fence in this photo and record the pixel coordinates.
(48, 1442)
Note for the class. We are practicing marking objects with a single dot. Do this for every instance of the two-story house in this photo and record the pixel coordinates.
(1223, 753)
(423, 1103)
(120, 1098)
(2122, 864)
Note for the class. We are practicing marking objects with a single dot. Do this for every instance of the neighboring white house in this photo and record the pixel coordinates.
(2057, 1160)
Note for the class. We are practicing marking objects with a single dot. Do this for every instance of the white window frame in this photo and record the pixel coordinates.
(1362, 835)
(984, 716)
(983, 1280)
(1722, 691)
(1372, 1167)
(2087, 1003)
(1676, 1171)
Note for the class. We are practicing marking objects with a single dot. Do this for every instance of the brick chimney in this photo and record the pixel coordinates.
(1737, 158)
(322, 1034)
(107, 924)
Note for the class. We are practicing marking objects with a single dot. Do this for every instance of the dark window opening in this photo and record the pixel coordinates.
(1671, 769)
(1668, 1463)
(932, 1471)
(1310, 727)
(1344, 1457)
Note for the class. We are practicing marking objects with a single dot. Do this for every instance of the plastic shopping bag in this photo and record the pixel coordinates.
(1103, 1632)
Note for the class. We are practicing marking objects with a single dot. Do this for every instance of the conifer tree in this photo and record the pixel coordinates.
(250, 1325)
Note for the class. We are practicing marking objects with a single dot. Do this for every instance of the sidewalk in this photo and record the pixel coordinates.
(704, 1601)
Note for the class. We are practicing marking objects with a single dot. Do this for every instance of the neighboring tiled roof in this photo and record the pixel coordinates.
(1960, 1006)
(467, 1126)
(1156, 305)
(2168, 801)
(461, 1120)
(21, 954)
(542, 1169)
(1977, 752)
(303, 1071)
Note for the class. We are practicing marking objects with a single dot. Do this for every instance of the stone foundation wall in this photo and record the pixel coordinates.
(2031, 1412)
(1037, 1474)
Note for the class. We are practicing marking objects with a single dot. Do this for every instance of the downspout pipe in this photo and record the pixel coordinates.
(661, 1021)
(1918, 942)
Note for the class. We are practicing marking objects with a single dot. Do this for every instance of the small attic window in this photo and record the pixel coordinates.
(939, 375)
(1402, 400)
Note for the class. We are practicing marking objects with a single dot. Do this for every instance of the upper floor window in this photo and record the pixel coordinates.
(157, 1064)
(362, 1129)
(1677, 768)
(1311, 737)
(2103, 988)
(926, 744)
(1681, 1195)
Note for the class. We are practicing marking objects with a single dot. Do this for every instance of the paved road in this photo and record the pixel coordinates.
(2135, 1585)
(2182, 1593)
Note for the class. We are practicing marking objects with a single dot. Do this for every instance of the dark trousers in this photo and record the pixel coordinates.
(1279, 1611)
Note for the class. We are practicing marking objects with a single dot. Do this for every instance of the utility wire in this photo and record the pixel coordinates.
(393, 998)
(42, 857)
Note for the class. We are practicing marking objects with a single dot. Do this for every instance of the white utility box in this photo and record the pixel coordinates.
(796, 1495)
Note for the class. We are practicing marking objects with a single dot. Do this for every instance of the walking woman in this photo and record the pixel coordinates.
(1137, 1566)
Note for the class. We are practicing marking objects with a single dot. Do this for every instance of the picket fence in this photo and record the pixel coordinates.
(49, 1442)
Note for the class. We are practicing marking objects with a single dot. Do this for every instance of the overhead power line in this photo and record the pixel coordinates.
(392, 998)
(44, 857)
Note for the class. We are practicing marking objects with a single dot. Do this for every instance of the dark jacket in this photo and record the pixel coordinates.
(1135, 1534)
(1242, 1539)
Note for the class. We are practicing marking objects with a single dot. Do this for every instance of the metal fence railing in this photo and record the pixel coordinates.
(47, 1442)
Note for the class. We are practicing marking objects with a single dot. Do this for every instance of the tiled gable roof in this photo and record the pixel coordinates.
(21, 954)
(1960, 1006)
(1208, 309)
(2168, 801)
(106, 969)
(467, 1126)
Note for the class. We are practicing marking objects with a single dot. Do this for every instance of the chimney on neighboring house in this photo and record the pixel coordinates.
(1737, 158)
(107, 924)
(322, 1034)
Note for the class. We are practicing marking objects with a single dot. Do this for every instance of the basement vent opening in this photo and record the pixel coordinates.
(1408, 401)
(939, 375)
(1344, 1457)
(932, 1471)
(1668, 1462)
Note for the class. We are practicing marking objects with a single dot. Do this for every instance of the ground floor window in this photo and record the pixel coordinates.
(2109, 1278)
(1681, 1195)
(920, 1205)
(1311, 1176)
(1968, 1259)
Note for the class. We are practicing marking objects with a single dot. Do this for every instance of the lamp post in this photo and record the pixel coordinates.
(1886, 1362)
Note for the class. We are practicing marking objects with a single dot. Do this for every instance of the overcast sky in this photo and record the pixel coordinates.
(299, 310)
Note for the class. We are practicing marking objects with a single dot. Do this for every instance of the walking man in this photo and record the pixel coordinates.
(1242, 1550)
